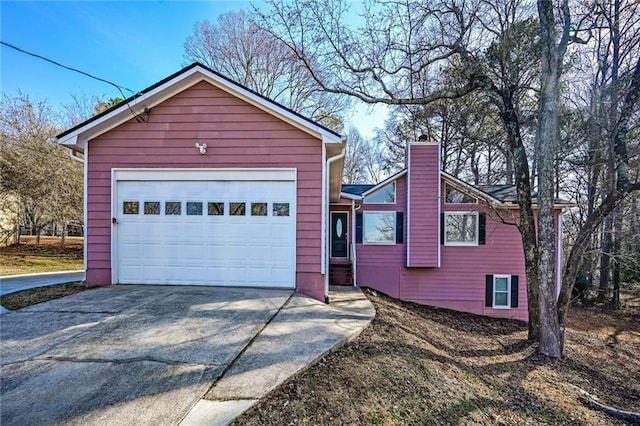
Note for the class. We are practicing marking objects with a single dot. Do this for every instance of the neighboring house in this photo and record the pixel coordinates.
(200, 181)
(9, 219)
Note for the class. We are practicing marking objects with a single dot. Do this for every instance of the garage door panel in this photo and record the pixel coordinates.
(201, 248)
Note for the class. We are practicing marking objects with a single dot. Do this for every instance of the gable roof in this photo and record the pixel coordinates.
(509, 194)
(471, 188)
(497, 194)
(358, 191)
(136, 105)
(506, 193)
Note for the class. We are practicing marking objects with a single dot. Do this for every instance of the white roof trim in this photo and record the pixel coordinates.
(350, 196)
(80, 136)
(385, 182)
(470, 188)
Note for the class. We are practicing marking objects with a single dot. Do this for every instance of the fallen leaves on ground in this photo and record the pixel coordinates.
(32, 296)
(423, 365)
(49, 256)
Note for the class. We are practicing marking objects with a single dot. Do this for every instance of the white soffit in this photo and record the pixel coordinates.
(182, 81)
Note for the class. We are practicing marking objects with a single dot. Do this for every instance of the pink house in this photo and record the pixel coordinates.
(425, 236)
(200, 181)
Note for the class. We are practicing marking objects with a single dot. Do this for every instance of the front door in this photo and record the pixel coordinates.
(339, 243)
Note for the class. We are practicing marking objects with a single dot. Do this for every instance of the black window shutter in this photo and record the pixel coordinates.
(442, 228)
(488, 291)
(399, 227)
(514, 291)
(482, 228)
(358, 227)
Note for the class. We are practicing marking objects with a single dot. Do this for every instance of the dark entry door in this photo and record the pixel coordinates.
(339, 242)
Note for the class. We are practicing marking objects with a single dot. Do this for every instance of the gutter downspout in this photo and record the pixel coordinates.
(72, 152)
(74, 157)
(354, 209)
(326, 215)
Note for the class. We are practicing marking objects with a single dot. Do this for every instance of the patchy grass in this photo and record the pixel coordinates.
(32, 296)
(49, 256)
(421, 365)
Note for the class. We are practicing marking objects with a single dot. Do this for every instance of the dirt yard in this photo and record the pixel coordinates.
(423, 365)
(21, 299)
(49, 256)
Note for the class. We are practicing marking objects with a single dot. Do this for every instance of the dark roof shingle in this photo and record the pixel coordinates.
(356, 189)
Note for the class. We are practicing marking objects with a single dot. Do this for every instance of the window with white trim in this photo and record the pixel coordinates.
(461, 228)
(384, 195)
(502, 291)
(455, 196)
(379, 227)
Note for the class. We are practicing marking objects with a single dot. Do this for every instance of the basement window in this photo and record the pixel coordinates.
(501, 291)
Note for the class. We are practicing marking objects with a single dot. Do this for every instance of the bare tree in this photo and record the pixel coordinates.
(503, 49)
(554, 44)
(364, 161)
(602, 76)
(34, 172)
(397, 58)
(239, 49)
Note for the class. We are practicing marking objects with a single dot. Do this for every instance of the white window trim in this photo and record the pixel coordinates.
(395, 195)
(458, 189)
(379, 243)
(493, 292)
(457, 243)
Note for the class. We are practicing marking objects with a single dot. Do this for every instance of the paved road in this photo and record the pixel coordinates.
(13, 283)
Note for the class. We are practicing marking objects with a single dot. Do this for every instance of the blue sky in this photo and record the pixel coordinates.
(131, 43)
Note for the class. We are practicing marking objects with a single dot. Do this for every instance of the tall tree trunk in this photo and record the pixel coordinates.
(526, 224)
(509, 166)
(551, 335)
(64, 233)
(617, 232)
(594, 175)
(605, 255)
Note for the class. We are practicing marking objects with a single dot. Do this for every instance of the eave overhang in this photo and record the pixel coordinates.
(142, 103)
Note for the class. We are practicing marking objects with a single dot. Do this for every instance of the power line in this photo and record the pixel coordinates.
(35, 55)
(117, 86)
(48, 154)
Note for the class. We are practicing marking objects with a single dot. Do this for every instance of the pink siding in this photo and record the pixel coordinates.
(238, 135)
(459, 283)
(381, 264)
(424, 173)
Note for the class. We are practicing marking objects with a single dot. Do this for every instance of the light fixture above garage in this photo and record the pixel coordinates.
(202, 148)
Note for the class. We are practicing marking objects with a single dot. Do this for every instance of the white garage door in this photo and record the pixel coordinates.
(214, 227)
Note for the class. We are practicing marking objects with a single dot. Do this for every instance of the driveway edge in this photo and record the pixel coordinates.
(297, 337)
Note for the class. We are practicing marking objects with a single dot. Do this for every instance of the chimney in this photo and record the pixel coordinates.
(423, 203)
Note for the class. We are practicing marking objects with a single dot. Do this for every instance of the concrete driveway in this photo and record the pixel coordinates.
(124, 354)
(147, 355)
